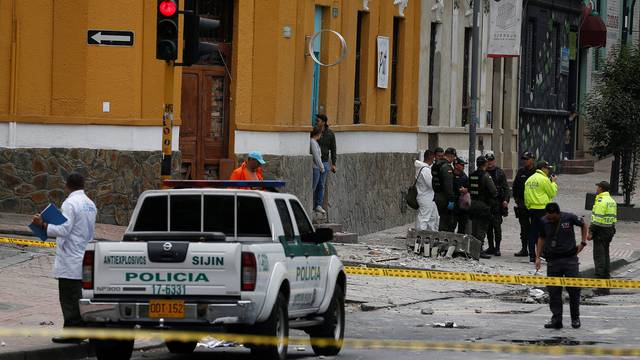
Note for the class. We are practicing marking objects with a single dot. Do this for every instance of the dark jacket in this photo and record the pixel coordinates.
(328, 144)
(460, 180)
(502, 186)
(442, 183)
(483, 194)
(518, 184)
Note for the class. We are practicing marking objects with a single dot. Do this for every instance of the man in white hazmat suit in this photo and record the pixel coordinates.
(428, 217)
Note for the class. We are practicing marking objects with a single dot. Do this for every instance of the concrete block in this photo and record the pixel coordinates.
(345, 238)
(335, 227)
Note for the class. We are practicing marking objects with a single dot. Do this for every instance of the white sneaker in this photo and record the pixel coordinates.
(320, 210)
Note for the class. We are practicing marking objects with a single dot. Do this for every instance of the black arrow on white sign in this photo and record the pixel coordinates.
(110, 37)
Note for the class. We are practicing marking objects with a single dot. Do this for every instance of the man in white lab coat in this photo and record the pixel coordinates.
(428, 217)
(72, 238)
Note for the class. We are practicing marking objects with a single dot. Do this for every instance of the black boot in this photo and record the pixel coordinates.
(553, 324)
(575, 323)
(522, 253)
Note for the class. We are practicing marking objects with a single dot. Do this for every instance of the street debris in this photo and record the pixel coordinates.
(46, 323)
(478, 311)
(447, 325)
(211, 343)
(426, 311)
(443, 244)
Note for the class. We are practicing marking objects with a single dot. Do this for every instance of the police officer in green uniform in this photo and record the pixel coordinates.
(483, 196)
(460, 187)
(501, 206)
(445, 197)
(557, 243)
(603, 219)
(523, 174)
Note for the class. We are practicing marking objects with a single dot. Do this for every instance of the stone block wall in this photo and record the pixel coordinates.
(366, 193)
(32, 178)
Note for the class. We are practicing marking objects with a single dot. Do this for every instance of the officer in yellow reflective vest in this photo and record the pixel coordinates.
(601, 231)
(539, 190)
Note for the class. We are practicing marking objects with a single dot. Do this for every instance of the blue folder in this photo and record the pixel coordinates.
(50, 215)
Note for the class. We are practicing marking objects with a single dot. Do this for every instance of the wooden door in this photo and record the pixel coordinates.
(204, 134)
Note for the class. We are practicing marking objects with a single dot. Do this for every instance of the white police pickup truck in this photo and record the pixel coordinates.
(216, 259)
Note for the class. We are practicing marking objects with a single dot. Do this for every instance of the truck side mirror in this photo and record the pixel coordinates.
(323, 235)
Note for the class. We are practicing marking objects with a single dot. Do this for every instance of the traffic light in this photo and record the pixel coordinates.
(167, 30)
(194, 25)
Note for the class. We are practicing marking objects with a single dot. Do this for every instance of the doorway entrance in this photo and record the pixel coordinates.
(204, 133)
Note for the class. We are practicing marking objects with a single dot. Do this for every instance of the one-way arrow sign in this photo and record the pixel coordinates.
(110, 37)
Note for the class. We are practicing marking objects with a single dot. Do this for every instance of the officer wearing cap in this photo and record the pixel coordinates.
(483, 196)
(461, 187)
(539, 190)
(603, 220)
(523, 174)
(557, 243)
(500, 209)
(445, 196)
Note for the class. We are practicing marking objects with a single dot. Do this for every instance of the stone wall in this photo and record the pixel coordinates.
(366, 193)
(32, 178)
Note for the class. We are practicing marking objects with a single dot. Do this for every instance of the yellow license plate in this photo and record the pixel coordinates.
(166, 308)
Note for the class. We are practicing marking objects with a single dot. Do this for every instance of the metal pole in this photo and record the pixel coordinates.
(167, 123)
(474, 84)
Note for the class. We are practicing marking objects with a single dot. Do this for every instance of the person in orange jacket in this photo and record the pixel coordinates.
(251, 169)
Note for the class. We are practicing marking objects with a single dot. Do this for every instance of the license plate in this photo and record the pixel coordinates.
(166, 308)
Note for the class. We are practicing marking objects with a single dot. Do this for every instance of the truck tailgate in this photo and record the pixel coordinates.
(167, 268)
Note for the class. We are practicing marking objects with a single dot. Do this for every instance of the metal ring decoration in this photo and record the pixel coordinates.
(343, 43)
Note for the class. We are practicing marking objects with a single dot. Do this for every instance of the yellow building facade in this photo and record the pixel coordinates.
(72, 106)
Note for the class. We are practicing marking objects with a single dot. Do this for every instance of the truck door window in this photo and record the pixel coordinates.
(304, 226)
(218, 214)
(152, 215)
(287, 225)
(252, 218)
(185, 212)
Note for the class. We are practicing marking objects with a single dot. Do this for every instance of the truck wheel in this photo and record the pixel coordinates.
(112, 349)
(330, 334)
(276, 328)
(179, 347)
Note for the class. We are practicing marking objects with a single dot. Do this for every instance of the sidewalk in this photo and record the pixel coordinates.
(625, 247)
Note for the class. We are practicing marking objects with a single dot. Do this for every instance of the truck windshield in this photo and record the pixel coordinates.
(204, 213)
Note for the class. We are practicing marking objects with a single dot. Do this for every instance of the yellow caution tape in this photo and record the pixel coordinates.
(441, 275)
(415, 345)
(494, 278)
(25, 242)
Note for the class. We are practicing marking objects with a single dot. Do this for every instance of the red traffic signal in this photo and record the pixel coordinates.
(168, 8)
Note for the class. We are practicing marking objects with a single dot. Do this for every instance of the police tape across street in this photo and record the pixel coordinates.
(367, 344)
(538, 280)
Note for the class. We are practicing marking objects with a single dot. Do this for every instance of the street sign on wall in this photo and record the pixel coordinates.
(504, 28)
(110, 37)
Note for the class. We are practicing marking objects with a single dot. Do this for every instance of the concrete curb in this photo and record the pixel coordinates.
(28, 233)
(616, 264)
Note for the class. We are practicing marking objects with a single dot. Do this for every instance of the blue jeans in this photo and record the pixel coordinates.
(318, 191)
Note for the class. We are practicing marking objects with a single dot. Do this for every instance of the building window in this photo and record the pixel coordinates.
(397, 38)
(432, 59)
(556, 57)
(357, 97)
(466, 104)
(530, 59)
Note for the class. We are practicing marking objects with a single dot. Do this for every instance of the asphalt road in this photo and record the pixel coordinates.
(610, 321)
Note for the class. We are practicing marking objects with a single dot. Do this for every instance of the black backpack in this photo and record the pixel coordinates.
(412, 193)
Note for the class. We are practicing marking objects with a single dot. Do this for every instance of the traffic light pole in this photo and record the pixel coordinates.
(474, 84)
(167, 122)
